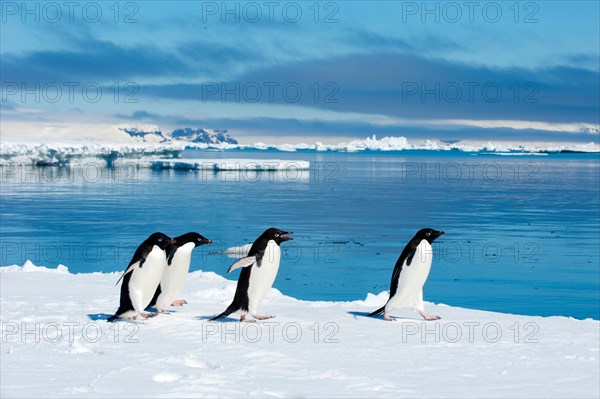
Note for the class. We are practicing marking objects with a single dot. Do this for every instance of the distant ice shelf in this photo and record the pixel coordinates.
(62, 154)
(166, 155)
(507, 154)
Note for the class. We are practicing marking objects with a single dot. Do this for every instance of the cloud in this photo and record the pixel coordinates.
(372, 42)
(138, 116)
(588, 61)
(7, 106)
(404, 85)
(371, 74)
(411, 86)
(98, 61)
(91, 59)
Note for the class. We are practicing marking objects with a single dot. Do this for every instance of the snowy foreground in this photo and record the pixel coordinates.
(56, 343)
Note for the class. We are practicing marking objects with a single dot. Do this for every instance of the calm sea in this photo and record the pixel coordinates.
(522, 232)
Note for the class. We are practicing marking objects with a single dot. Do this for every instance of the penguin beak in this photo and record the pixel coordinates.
(206, 241)
(284, 236)
(173, 241)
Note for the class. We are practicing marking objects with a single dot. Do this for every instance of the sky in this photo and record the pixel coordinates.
(301, 71)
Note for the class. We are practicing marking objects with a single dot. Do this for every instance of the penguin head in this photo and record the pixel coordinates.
(277, 235)
(428, 234)
(196, 238)
(159, 239)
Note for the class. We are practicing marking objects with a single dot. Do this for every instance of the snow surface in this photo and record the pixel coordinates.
(184, 355)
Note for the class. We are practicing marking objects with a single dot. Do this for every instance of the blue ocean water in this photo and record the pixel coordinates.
(522, 232)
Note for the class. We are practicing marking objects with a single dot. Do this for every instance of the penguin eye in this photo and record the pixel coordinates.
(428, 234)
(276, 235)
(198, 238)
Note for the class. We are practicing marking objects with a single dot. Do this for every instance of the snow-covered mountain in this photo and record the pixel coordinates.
(155, 135)
(146, 135)
(207, 136)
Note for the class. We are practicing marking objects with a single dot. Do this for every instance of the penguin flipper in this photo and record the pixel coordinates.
(170, 252)
(410, 257)
(130, 269)
(139, 257)
(405, 259)
(244, 262)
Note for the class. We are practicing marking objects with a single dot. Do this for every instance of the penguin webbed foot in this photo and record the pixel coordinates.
(243, 319)
(179, 302)
(386, 316)
(429, 317)
(145, 315)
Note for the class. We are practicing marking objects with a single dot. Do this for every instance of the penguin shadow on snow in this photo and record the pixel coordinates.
(223, 320)
(106, 316)
(366, 315)
(98, 316)
(165, 312)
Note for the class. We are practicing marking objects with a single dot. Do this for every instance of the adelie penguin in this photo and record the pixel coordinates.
(409, 276)
(142, 276)
(259, 270)
(179, 256)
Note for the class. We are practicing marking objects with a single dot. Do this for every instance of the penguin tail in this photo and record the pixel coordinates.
(230, 309)
(117, 314)
(378, 312)
(113, 318)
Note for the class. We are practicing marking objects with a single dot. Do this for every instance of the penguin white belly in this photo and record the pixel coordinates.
(263, 277)
(145, 280)
(173, 278)
(412, 279)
